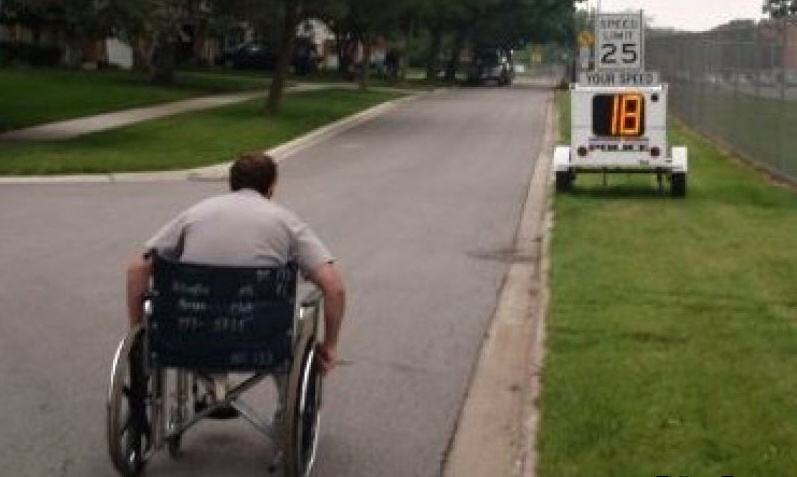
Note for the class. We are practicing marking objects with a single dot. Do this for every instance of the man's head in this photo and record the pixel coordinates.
(254, 170)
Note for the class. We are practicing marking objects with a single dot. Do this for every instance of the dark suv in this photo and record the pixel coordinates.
(491, 65)
(249, 55)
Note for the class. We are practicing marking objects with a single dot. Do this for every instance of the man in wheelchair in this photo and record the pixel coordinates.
(215, 292)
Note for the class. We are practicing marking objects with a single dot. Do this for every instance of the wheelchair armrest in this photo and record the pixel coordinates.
(312, 298)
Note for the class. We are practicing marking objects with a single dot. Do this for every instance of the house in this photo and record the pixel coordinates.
(323, 39)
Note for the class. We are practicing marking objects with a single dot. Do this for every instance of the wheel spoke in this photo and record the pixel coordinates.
(128, 423)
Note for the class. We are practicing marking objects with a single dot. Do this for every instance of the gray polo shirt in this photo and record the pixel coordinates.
(240, 229)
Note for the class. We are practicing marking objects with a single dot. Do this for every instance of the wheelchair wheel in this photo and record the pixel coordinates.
(303, 416)
(178, 414)
(129, 419)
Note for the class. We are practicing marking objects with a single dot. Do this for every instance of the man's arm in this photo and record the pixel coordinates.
(138, 274)
(328, 279)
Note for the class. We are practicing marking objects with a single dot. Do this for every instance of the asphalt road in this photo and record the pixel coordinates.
(420, 205)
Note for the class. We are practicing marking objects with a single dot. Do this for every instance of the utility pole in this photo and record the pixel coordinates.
(784, 48)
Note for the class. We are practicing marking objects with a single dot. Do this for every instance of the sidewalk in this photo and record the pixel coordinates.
(72, 128)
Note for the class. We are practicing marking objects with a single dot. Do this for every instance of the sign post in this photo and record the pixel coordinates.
(585, 43)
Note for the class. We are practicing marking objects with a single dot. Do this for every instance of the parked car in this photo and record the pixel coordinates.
(492, 65)
(249, 55)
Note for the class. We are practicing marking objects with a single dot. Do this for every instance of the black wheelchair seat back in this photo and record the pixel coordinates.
(222, 318)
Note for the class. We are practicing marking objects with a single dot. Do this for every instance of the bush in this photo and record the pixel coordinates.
(29, 53)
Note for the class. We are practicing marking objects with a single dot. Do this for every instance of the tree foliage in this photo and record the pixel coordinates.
(152, 28)
(780, 8)
(500, 24)
(78, 19)
(443, 29)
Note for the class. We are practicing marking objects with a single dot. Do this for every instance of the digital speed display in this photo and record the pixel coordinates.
(618, 115)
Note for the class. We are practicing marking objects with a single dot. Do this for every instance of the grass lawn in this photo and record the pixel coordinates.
(672, 334)
(188, 140)
(34, 96)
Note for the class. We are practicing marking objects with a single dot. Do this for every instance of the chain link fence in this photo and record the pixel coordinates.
(738, 85)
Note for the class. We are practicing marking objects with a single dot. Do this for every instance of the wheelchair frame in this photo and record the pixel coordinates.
(160, 421)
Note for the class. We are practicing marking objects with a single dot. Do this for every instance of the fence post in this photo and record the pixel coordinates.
(782, 153)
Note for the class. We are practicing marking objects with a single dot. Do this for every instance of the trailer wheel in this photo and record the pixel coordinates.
(564, 181)
(678, 184)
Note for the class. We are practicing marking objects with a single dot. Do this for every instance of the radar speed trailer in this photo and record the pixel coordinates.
(619, 115)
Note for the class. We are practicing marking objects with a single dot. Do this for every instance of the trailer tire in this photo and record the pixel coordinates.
(678, 184)
(564, 181)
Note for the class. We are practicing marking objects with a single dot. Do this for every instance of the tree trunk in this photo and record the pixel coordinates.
(140, 54)
(340, 46)
(288, 40)
(346, 60)
(453, 61)
(433, 61)
(366, 64)
(74, 53)
(163, 59)
(404, 59)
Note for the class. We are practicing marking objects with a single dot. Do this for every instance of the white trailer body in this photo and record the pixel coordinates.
(600, 144)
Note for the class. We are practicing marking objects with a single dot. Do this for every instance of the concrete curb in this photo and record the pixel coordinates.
(218, 172)
(496, 432)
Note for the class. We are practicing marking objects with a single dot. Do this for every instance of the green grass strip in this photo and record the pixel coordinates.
(30, 96)
(672, 334)
(188, 140)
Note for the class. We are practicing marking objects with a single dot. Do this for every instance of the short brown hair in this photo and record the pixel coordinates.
(253, 170)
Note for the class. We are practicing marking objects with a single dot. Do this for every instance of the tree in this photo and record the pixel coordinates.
(780, 8)
(441, 16)
(512, 24)
(492, 24)
(278, 20)
(163, 25)
(367, 21)
(464, 19)
(151, 28)
(82, 24)
(290, 21)
(409, 20)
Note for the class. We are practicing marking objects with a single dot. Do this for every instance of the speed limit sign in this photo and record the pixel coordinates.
(620, 41)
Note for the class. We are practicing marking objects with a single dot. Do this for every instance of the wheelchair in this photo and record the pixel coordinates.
(203, 324)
